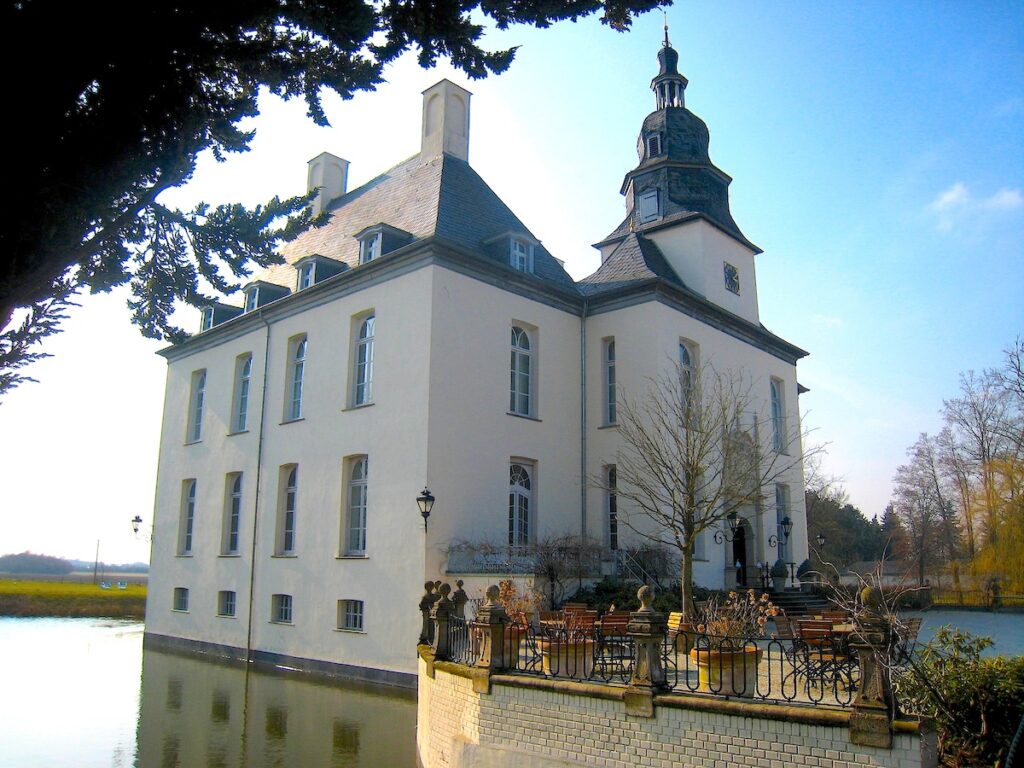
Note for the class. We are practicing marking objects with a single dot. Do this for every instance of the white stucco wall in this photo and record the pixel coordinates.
(696, 250)
(647, 338)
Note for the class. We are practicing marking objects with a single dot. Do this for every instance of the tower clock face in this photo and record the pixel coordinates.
(732, 278)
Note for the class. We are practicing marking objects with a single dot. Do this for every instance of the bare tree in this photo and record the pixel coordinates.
(921, 504)
(696, 449)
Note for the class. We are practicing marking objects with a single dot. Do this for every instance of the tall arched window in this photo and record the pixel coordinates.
(297, 373)
(613, 508)
(778, 417)
(356, 537)
(289, 507)
(688, 379)
(520, 373)
(243, 376)
(609, 381)
(520, 496)
(363, 392)
(198, 399)
(234, 516)
(188, 518)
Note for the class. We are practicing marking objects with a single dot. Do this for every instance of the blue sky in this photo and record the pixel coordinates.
(877, 152)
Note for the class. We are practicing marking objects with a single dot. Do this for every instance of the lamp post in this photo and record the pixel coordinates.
(722, 536)
(425, 501)
(820, 538)
(136, 524)
(787, 527)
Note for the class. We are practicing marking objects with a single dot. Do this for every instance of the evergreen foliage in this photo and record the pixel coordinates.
(141, 90)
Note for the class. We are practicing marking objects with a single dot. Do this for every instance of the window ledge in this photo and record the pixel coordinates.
(179, 610)
(609, 426)
(193, 442)
(225, 616)
(352, 557)
(184, 554)
(230, 554)
(282, 623)
(291, 421)
(284, 555)
(357, 407)
(350, 631)
(238, 432)
(523, 416)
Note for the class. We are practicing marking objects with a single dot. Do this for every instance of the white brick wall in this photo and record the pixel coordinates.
(516, 726)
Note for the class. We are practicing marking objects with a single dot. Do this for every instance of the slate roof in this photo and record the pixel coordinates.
(629, 224)
(635, 259)
(442, 197)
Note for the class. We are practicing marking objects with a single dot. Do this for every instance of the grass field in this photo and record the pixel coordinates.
(36, 597)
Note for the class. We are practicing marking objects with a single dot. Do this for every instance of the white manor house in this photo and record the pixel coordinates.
(426, 337)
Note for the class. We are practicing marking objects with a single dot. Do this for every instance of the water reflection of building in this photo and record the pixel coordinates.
(196, 712)
(425, 335)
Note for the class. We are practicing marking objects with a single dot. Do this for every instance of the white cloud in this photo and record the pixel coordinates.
(956, 196)
(956, 203)
(1004, 200)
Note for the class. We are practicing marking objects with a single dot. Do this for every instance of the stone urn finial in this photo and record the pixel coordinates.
(492, 594)
(871, 597)
(646, 596)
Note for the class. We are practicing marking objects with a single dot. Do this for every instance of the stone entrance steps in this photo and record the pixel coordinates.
(797, 603)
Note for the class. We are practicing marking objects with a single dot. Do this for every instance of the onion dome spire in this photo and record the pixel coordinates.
(669, 85)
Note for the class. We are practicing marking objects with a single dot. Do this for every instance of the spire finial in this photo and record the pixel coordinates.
(667, 44)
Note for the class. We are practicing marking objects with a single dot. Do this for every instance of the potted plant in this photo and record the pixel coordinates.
(519, 606)
(807, 576)
(779, 574)
(726, 653)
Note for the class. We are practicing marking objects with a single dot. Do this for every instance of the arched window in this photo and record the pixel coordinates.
(363, 392)
(243, 376)
(188, 518)
(781, 513)
(778, 417)
(290, 502)
(609, 381)
(613, 509)
(198, 399)
(298, 370)
(519, 397)
(688, 379)
(520, 495)
(356, 535)
(234, 516)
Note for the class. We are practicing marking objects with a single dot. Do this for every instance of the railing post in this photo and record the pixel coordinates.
(426, 603)
(647, 628)
(873, 709)
(441, 612)
(490, 621)
(459, 599)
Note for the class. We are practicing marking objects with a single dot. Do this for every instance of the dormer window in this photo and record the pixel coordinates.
(647, 206)
(207, 322)
(369, 247)
(521, 255)
(252, 298)
(654, 145)
(307, 275)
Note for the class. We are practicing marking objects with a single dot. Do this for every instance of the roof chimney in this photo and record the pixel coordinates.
(445, 121)
(329, 173)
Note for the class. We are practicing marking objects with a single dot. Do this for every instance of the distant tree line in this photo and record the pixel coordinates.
(26, 562)
(959, 499)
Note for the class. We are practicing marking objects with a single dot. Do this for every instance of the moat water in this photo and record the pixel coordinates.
(82, 693)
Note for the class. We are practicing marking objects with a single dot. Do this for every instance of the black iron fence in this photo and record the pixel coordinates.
(824, 670)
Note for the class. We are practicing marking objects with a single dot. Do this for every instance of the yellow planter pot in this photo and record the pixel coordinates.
(730, 673)
(567, 659)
